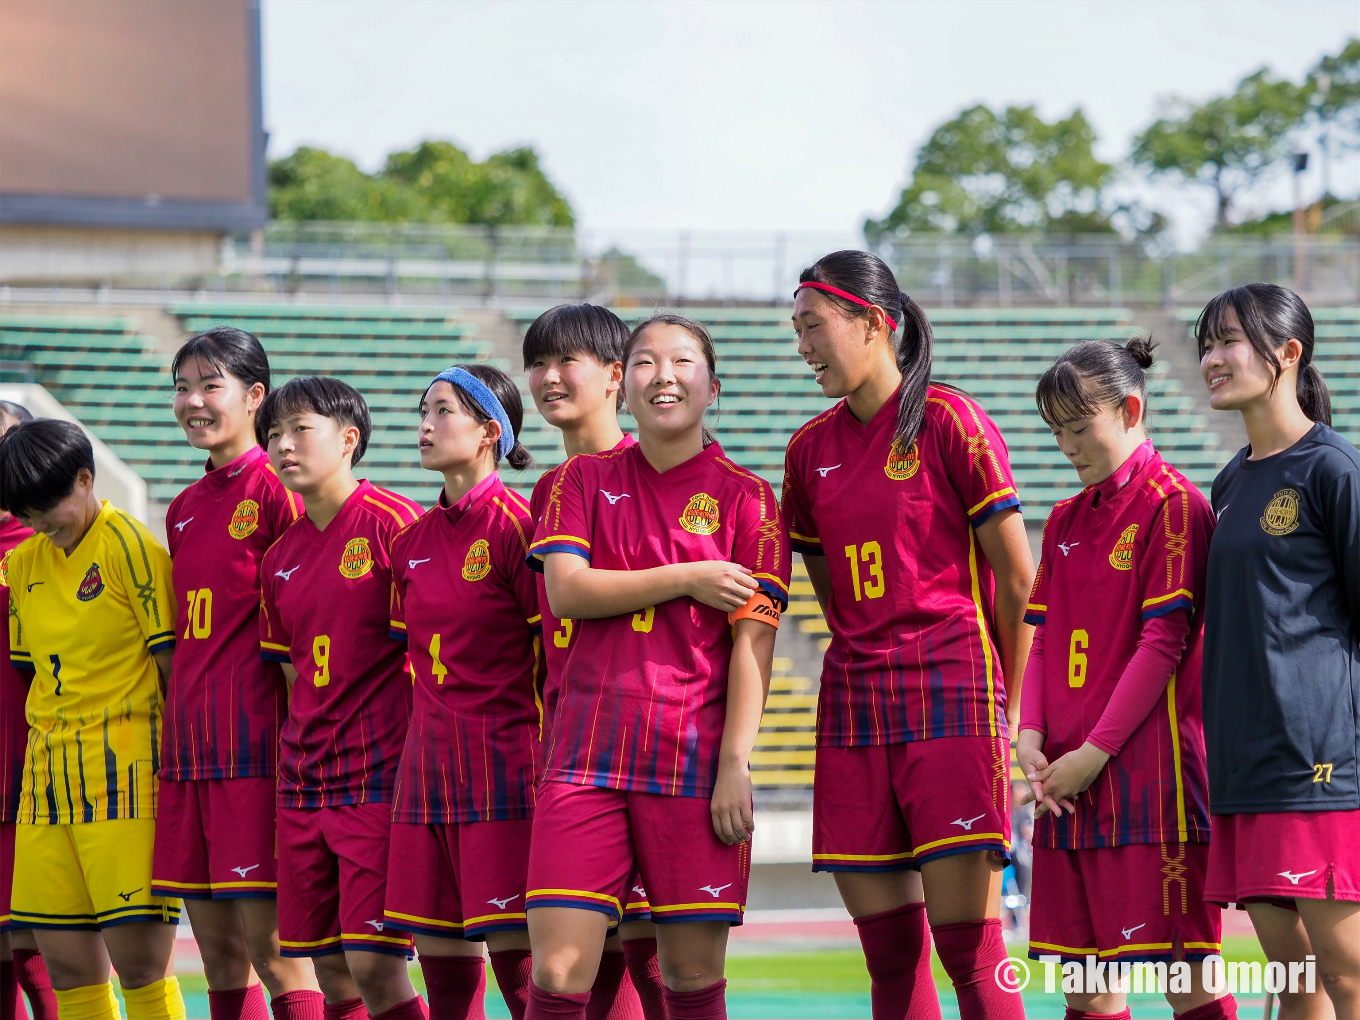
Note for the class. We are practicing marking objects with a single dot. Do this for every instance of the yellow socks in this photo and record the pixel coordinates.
(160, 1000)
(92, 1002)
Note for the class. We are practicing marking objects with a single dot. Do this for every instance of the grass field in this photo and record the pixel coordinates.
(824, 985)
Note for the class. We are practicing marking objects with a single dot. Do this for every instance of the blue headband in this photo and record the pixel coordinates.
(480, 392)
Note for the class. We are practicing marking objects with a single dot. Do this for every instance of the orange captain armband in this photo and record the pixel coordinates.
(761, 606)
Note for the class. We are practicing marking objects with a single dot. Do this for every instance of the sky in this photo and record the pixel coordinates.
(759, 116)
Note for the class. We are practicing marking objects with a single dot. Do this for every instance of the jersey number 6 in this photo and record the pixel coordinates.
(1076, 658)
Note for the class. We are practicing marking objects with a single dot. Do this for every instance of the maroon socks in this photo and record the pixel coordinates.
(411, 1009)
(706, 1004)
(551, 1006)
(31, 973)
(897, 951)
(612, 996)
(238, 1003)
(645, 973)
(1220, 1009)
(970, 952)
(513, 969)
(455, 986)
(300, 1005)
(350, 1009)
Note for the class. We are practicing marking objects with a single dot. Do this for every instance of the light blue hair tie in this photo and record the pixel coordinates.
(480, 392)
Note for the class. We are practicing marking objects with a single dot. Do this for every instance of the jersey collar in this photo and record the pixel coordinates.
(1102, 493)
(707, 456)
(488, 487)
(227, 473)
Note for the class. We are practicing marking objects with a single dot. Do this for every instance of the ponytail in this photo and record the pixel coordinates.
(867, 278)
(1314, 400)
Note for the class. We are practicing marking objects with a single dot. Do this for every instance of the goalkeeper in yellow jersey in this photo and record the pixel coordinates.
(92, 614)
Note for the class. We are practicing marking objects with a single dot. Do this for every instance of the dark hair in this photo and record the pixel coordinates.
(507, 393)
(14, 413)
(1091, 375)
(695, 329)
(577, 329)
(230, 351)
(1270, 315)
(316, 394)
(39, 461)
(868, 276)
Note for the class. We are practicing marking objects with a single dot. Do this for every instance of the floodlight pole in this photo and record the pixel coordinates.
(1300, 164)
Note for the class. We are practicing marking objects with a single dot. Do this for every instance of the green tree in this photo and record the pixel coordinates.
(989, 173)
(435, 182)
(1333, 97)
(1226, 143)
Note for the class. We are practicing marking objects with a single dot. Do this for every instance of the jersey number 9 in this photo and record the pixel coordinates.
(1076, 658)
(200, 613)
(321, 655)
(871, 554)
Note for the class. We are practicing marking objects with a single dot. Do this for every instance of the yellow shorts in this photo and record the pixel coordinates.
(87, 876)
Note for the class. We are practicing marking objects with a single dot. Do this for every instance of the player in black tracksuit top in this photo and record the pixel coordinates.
(1281, 654)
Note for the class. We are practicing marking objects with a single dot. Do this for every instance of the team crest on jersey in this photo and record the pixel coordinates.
(4, 568)
(902, 466)
(1121, 556)
(357, 559)
(477, 563)
(91, 584)
(244, 519)
(701, 515)
(1282, 513)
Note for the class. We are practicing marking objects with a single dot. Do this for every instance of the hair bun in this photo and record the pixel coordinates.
(1141, 347)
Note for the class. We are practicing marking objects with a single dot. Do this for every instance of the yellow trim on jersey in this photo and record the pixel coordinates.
(602, 897)
(401, 521)
(971, 837)
(1037, 608)
(1137, 948)
(468, 922)
(332, 940)
(399, 940)
(1179, 592)
(164, 884)
(804, 538)
(538, 618)
(275, 648)
(1176, 759)
(698, 906)
(982, 629)
(432, 921)
(862, 857)
(1008, 491)
(393, 624)
(549, 539)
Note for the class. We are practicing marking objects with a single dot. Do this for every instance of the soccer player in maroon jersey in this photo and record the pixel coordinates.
(464, 801)
(21, 966)
(1111, 733)
(224, 705)
(325, 595)
(653, 551)
(1281, 648)
(574, 357)
(901, 500)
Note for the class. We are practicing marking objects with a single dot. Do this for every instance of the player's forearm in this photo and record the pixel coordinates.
(819, 573)
(289, 673)
(587, 593)
(748, 685)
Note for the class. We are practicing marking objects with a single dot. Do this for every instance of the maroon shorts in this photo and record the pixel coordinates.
(895, 806)
(7, 832)
(589, 843)
(1284, 855)
(215, 839)
(333, 879)
(459, 880)
(1144, 901)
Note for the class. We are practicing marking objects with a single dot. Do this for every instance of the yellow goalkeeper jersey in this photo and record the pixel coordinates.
(87, 625)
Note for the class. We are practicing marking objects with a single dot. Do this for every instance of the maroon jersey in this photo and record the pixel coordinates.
(472, 750)
(224, 705)
(324, 599)
(13, 693)
(643, 697)
(1107, 565)
(913, 654)
(557, 633)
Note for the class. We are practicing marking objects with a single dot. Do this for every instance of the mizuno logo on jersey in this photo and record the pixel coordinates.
(714, 890)
(968, 825)
(1294, 878)
(183, 524)
(233, 474)
(824, 471)
(287, 575)
(412, 564)
(1068, 547)
(377, 925)
(613, 498)
(35, 584)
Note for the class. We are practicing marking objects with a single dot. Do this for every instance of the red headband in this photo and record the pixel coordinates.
(892, 323)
